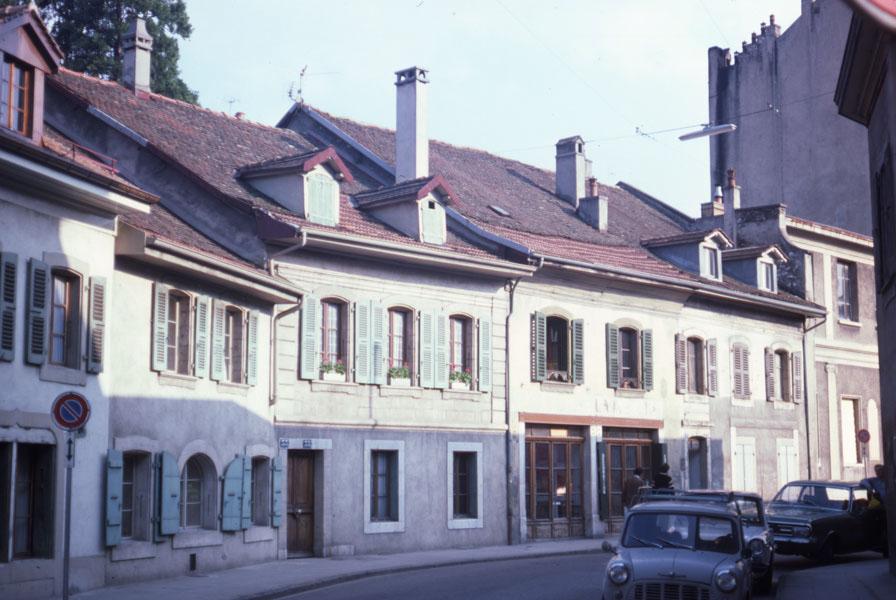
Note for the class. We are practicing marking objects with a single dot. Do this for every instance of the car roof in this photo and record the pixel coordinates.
(823, 483)
(694, 508)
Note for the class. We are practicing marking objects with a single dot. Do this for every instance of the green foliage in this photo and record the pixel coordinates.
(331, 366)
(90, 32)
(461, 376)
(399, 371)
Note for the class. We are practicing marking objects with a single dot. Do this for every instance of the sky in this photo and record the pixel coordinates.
(511, 77)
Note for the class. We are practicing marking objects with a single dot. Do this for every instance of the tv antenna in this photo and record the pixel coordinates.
(297, 95)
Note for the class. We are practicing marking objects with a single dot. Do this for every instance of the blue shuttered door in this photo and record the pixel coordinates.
(203, 331)
(613, 373)
(539, 347)
(485, 355)
(232, 498)
(427, 348)
(114, 471)
(38, 312)
(362, 342)
(441, 351)
(309, 362)
(96, 325)
(9, 265)
(168, 516)
(276, 492)
(578, 351)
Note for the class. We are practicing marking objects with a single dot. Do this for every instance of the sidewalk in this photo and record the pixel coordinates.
(272, 580)
(866, 579)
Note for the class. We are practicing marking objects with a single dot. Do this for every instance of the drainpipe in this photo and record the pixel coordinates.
(809, 457)
(275, 320)
(508, 441)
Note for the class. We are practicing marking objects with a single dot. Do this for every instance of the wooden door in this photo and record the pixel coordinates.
(622, 459)
(300, 503)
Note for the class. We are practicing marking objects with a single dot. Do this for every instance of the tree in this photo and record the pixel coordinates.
(90, 32)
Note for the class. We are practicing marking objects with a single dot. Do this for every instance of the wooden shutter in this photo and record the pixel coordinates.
(378, 329)
(276, 492)
(362, 342)
(614, 376)
(769, 375)
(252, 348)
(9, 265)
(737, 383)
(647, 359)
(427, 348)
(232, 497)
(320, 207)
(432, 225)
(577, 331)
(745, 366)
(441, 351)
(603, 492)
(169, 494)
(38, 312)
(485, 355)
(539, 347)
(246, 506)
(203, 331)
(796, 363)
(712, 367)
(114, 471)
(160, 327)
(681, 364)
(309, 362)
(96, 325)
(219, 314)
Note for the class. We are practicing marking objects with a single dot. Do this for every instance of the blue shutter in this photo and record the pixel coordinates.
(647, 359)
(603, 492)
(203, 330)
(613, 374)
(539, 347)
(712, 367)
(276, 492)
(485, 355)
(578, 351)
(160, 327)
(427, 348)
(433, 229)
(252, 348)
(378, 329)
(232, 498)
(362, 342)
(441, 352)
(96, 325)
(169, 494)
(320, 208)
(9, 265)
(309, 363)
(38, 312)
(246, 508)
(217, 355)
(114, 470)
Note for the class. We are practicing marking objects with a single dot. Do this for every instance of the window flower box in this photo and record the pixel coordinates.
(332, 370)
(400, 381)
(460, 385)
(333, 376)
(399, 375)
(460, 379)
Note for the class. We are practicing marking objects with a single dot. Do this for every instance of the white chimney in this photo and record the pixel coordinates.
(731, 201)
(136, 48)
(411, 139)
(572, 169)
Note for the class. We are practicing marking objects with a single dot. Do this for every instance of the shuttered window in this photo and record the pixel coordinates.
(65, 321)
(16, 96)
(383, 485)
(8, 271)
(322, 195)
(741, 371)
(177, 339)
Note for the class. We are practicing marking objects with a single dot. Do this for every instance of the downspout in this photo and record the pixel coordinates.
(508, 441)
(809, 457)
(275, 320)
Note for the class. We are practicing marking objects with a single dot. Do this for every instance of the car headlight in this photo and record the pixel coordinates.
(618, 573)
(726, 580)
(757, 546)
(802, 531)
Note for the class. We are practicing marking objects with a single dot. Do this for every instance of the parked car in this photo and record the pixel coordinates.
(680, 550)
(820, 519)
(758, 536)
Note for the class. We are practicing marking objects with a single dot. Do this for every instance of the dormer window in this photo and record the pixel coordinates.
(767, 276)
(709, 262)
(16, 96)
(432, 220)
(322, 192)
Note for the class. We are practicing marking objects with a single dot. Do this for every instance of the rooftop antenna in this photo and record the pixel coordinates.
(297, 95)
(230, 102)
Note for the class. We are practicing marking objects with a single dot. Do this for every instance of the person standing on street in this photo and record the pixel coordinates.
(662, 479)
(630, 488)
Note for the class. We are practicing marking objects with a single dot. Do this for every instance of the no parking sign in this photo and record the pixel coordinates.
(70, 411)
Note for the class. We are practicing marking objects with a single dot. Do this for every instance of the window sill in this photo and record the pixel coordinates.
(338, 387)
(849, 323)
(629, 393)
(187, 538)
(462, 523)
(696, 398)
(384, 527)
(58, 374)
(393, 390)
(563, 387)
(784, 405)
(745, 402)
(258, 533)
(237, 389)
(133, 550)
(472, 395)
(178, 380)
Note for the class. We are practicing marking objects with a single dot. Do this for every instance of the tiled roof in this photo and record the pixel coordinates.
(682, 238)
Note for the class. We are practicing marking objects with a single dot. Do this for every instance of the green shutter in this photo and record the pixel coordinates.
(427, 348)
(613, 374)
(219, 314)
(114, 471)
(320, 207)
(362, 342)
(160, 327)
(603, 492)
(232, 496)
(276, 492)
(441, 352)
(712, 367)
(539, 347)
(432, 225)
(9, 265)
(96, 325)
(246, 508)
(647, 359)
(578, 351)
(378, 329)
(681, 364)
(769, 375)
(252, 348)
(796, 363)
(485, 355)
(203, 330)
(309, 365)
(168, 516)
(38, 312)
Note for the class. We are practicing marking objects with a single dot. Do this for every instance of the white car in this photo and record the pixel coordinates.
(680, 550)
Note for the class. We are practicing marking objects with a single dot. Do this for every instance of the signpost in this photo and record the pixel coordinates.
(70, 413)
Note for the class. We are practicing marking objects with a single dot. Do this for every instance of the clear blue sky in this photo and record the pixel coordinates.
(507, 76)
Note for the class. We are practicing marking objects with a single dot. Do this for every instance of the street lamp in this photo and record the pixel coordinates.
(708, 130)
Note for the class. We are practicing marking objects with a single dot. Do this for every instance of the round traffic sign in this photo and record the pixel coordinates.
(70, 411)
(863, 436)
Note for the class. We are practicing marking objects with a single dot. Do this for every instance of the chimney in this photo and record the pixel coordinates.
(136, 48)
(572, 169)
(731, 201)
(715, 207)
(593, 210)
(411, 140)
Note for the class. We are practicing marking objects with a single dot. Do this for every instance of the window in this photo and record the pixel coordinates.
(558, 349)
(399, 345)
(197, 494)
(464, 485)
(182, 333)
(135, 495)
(782, 378)
(234, 356)
(383, 486)
(233, 345)
(383, 503)
(16, 93)
(709, 262)
(695, 366)
(332, 347)
(259, 493)
(432, 216)
(767, 279)
(460, 344)
(784, 375)
(322, 199)
(741, 371)
(849, 429)
(27, 472)
(630, 357)
(178, 338)
(65, 320)
(847, 292)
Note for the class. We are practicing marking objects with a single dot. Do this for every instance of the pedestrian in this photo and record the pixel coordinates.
(877, 504)
(662, 480)
(877, 485)
(630, 488)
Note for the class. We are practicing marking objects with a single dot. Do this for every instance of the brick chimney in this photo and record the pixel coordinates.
(411, 139)
(731, 201)
(136, 48)
(572, 169)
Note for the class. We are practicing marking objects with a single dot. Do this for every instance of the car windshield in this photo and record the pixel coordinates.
(675, 530)
(807, 494)
(749, 510)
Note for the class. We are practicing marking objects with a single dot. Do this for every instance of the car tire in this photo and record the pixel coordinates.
(826, 553)
(764, 583)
